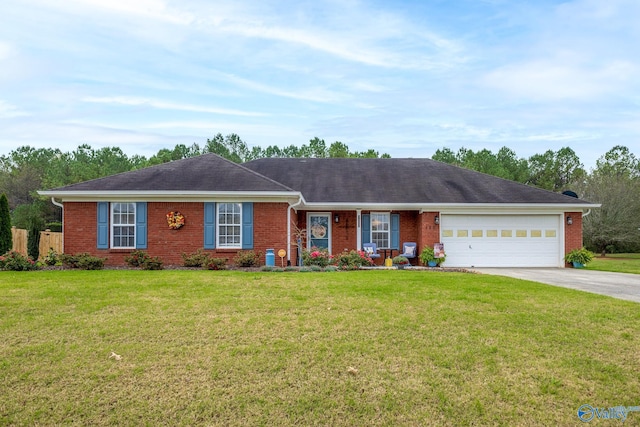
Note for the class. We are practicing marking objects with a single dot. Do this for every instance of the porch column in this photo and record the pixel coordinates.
(358, 229)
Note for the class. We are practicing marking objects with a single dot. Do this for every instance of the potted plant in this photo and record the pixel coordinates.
(400, 261)
(579, 257)
(427, 256)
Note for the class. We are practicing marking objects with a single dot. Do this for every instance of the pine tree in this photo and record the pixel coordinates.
(6, 241)
(33, 241)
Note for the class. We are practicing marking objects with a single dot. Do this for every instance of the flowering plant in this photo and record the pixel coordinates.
(353, 260)
(15, 261)
(400, 260)
(175, 220)
(317, 256)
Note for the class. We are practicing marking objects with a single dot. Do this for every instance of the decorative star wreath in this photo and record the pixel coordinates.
(175, 220)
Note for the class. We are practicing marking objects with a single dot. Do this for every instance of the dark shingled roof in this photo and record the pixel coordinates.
(394, 180)
(208, 172)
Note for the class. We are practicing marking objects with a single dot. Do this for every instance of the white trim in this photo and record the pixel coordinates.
(218, 225)
(388, 215)
(329, 226)
(359, 229)
(112, 224)
(296, 199)
(183, 196)
(435, 207)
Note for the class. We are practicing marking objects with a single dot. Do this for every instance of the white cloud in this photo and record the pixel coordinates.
(8, 111)
(5, 50)
(153, 9)
(136, 101)
(316, 94)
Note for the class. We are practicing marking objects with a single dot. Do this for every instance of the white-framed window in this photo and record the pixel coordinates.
(229, 225)
(123, 225)
(381, 229)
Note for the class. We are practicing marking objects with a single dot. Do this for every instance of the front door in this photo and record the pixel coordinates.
(319, 231)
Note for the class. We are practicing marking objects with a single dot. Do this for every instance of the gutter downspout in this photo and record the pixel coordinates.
(298, 203)
(586, 214)
(61, 206)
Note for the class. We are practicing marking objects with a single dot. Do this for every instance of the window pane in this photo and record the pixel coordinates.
(123, 219)
(229, 224)
(380, 226)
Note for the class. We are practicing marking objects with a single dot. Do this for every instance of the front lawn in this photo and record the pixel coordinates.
(620, 263)
(351, 348)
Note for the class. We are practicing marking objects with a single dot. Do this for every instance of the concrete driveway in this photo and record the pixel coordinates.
(617, 285)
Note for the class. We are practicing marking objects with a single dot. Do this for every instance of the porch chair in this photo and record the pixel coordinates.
(409, 250)
(371, 250)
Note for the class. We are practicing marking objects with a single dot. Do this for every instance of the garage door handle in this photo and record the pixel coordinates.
(470, 247)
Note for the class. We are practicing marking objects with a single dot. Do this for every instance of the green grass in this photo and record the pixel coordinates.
(235, 348)
(620, 263)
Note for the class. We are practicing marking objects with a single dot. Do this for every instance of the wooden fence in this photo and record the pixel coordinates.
(48, 239)
(19, 237)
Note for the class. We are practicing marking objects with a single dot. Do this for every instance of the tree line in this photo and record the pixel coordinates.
(614, 182)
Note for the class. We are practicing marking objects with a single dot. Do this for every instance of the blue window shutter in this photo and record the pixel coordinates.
(366, 228)
(395, 231)
(141, 225)
(103, 225)
(247, 225)
(209, 225)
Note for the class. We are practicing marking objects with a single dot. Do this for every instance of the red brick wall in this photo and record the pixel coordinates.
(269, 227)
(428, 230)
(344, 233)
(80, 223)
(573, 232)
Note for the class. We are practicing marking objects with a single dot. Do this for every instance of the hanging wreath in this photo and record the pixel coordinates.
(175, 220)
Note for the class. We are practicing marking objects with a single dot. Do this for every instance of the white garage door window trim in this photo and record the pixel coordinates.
(503, 240)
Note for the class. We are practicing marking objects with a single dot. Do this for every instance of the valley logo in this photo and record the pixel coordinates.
(587, 412)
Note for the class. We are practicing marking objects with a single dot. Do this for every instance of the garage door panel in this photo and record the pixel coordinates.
(501, 240)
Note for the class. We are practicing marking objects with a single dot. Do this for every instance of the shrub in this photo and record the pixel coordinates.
(195, 259)
(52, 257)
(353, 260)
(291, 269)
(136, 258)
(15, 261)
(33, 241)
(68, 260)
(247, 259)
(215, 264)
(90, 262)
(6, 239)
(315, 268)
(331, 268)
(83, 261)
(55, 226)
(317, 256)
(400, 260)
(152, 263)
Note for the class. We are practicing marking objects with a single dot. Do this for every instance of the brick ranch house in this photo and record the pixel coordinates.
(483, 221)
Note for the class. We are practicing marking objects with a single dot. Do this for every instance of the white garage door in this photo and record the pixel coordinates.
(501, 240)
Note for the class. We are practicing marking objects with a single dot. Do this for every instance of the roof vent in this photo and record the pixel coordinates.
(570, 193)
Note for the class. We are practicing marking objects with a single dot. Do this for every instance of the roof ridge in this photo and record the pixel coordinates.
(240, 165)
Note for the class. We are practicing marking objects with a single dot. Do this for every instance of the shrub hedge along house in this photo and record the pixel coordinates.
(221, 207)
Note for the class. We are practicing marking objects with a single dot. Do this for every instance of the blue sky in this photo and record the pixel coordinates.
(401, 77)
